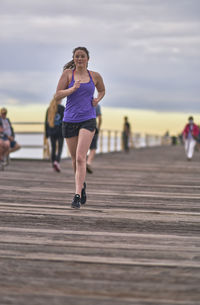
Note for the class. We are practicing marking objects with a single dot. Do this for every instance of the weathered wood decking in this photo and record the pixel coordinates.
(137, 241)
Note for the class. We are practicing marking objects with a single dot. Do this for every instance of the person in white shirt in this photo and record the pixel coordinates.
(190, 136)
(9, 131)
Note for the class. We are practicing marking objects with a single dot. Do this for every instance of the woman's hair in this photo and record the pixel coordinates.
(53, 107)
(71, 64)
(4, 110)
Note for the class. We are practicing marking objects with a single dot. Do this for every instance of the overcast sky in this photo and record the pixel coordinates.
(147, 51)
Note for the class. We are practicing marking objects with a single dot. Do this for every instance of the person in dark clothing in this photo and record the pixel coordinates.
(53, 129)
(93, 145)
(126, 134)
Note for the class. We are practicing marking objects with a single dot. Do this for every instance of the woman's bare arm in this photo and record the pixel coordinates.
(99, 84)
(62, 88)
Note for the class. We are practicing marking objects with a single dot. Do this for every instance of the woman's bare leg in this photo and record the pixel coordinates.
(6, 147)
(91, 156)
(72, 146)
(1, 149)
(84, 140)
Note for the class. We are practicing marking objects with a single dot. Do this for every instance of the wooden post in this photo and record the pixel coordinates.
(131, 140)
(147, 140)
(138, 139)
(115, 141)
(101, 141)
(109, 136)
(122, 142)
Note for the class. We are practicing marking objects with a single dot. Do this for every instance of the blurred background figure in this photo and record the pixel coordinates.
(174, 140)
(53, 130)
(9, 132)
(4, 146)
(93, 145)
(197, 147)
(126, 134)
(190, 136)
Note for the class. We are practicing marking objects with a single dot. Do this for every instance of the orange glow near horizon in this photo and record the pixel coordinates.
(142, 121)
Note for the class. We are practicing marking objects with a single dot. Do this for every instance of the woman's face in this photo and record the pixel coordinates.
(80, 59)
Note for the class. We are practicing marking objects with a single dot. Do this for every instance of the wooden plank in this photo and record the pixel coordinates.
(137, 241)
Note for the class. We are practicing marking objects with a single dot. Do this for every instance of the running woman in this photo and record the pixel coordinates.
(78, 84)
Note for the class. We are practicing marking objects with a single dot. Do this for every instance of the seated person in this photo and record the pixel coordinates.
(8, 130)
(4, 147)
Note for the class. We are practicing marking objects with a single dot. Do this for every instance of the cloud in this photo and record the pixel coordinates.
(146, 50)
(27, 87)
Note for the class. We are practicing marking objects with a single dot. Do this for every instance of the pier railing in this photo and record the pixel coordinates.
(109, 140)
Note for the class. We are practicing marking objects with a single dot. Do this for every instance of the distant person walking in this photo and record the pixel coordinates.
(93, 146)
(126, 134)
(78, 84)
(53, 130)
(190, 136)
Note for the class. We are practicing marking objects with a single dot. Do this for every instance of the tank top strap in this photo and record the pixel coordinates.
(88, 73)
(73, 75)
(90, 76)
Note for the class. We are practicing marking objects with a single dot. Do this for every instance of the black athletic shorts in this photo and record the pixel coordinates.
(93, 145)
(70, 130)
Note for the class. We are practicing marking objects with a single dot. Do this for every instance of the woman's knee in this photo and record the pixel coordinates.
(7, 144)
(80, 159)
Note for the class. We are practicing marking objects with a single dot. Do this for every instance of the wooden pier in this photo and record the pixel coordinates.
(136, 242)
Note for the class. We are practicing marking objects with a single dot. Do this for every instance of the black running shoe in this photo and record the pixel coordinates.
(76, 203)
(83, 194)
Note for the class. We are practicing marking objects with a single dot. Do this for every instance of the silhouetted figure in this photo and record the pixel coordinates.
(180, 137)
(166, 135)
(174, 140)
(126, 134)
(53, 130)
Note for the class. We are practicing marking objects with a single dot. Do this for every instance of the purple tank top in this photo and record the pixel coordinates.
(79, 106)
